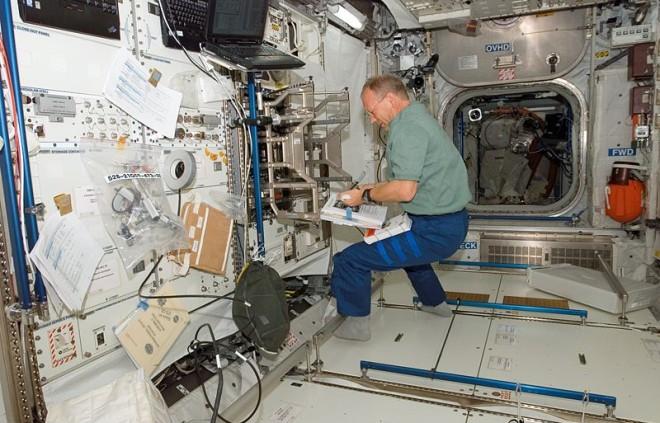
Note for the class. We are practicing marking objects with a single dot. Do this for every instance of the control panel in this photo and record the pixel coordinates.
(629, 35)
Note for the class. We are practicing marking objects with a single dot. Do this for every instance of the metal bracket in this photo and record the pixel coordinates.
(616, 285)
(37, 210)
(43, 311)
(16, 313)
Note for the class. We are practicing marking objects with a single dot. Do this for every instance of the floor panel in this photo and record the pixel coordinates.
(617, 362)
(622, 363)
(298, 402)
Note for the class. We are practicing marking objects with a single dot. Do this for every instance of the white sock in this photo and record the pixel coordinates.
(354, 329)
(441, 309)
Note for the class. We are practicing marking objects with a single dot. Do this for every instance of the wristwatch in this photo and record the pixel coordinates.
(366, 195)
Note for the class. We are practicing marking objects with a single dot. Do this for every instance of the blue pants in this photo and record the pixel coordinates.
(430, 239)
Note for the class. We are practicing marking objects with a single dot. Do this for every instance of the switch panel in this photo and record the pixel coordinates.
(629, 35)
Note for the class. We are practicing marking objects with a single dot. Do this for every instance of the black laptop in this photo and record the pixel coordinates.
(235, 32)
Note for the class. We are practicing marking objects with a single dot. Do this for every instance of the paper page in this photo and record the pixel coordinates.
(365, 215)
(127, 86)
(67, 256)
(84, 201)
(106, 276)
(149, 332)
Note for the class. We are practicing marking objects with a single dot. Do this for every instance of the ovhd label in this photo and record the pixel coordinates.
(469, 245)
(621, 152)
(498, 47)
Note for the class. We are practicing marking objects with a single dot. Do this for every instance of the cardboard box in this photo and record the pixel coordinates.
(209, 232)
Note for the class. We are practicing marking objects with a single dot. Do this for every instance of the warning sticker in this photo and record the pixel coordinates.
(602, 54)
(62, 344)
(500, 363)
(291, 340)
(506, 74)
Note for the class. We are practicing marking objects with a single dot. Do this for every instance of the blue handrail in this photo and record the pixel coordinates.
(256, 178)
(7, 25)
(486, 264)
(607, 400)
(13, 222)
(516, 307)
(531, 218)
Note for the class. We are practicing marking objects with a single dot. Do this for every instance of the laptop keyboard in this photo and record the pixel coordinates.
(188, 19)
(254, 50)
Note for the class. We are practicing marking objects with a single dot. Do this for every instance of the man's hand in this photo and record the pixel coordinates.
(351, 198)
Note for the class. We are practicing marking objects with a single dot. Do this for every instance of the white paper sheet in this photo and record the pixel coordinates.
(127, 86)
(85, 202)
(67, 256)
(365, 216)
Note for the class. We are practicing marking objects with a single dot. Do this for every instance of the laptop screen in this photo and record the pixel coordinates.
(237, 20)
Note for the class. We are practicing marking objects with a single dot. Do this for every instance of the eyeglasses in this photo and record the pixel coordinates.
(371, 112)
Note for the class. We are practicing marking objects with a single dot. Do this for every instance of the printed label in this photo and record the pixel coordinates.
(507, 329)
(125, 176)
(505, 339)
(500, 363)
(469, 245)
(286, 413)
(621, 152)
(468, 62)
(498, 47)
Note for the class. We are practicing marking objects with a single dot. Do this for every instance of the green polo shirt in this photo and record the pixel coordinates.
(420, 150)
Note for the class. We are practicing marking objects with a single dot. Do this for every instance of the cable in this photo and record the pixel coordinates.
(157, 297)
(380, 136)
(380, 163)
(194, 348)
(178, 207)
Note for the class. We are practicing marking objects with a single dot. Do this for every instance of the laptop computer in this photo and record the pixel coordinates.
(235, 32)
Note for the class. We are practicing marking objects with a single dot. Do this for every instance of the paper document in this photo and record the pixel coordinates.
(149, 332)
(395, 226)
(364, 216)
(127, 86)
(67, 256)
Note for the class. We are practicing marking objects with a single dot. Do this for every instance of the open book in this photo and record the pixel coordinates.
(364, 215)
(395, 226)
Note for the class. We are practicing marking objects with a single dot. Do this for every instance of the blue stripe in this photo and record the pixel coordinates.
(381, 249)
(398, 250)
(413, 243)
(492, 383)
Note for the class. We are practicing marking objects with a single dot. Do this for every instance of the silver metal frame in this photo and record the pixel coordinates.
(297, 146)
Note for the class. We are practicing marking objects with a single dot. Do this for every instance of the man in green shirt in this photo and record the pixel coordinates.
(428, 178)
